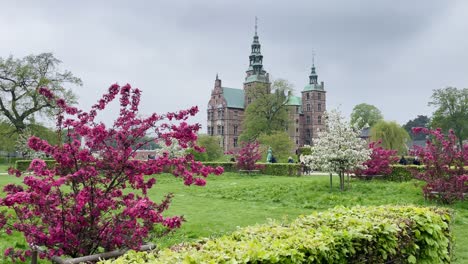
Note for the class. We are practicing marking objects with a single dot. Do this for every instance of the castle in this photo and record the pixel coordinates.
(226, 105)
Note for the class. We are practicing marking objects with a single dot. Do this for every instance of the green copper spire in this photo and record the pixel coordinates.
(313, 75)
(256, 57)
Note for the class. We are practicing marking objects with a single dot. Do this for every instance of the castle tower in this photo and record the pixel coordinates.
(256, 76)
(313, 108)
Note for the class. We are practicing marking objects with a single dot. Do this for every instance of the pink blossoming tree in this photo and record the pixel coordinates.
(248, 155)
(444, 165)
(92, 203)
(380, 160)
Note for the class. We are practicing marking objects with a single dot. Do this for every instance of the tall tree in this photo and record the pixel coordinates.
(451, 112)
(280, 143)
(267, 112)
(212, 148)
(365, 115)
(338, 149)
(392, 135)
(20, 80)
(419, 121)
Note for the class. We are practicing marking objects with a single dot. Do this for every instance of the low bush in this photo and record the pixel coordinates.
(23, 165)
(402, 172)
(384, 234)
(286, 169)
(228, 166)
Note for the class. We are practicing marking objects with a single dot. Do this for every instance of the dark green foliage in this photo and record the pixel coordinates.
(420, 121)
(282, 169)
(383, 234)
(23, 165)
(402, 172)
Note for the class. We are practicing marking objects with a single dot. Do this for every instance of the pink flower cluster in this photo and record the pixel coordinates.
(95, 198)
(248, 155)
(444, 162)
(380, 160)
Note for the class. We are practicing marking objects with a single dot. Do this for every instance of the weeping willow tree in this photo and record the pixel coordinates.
(393, 135)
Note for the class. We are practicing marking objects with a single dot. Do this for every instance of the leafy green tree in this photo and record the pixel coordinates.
(20, 80)
(211, 144)
(451, 112)
(280, 143)
(268, 111)
(393, 136)
(419, 121)
(365, 115)
(11, 140)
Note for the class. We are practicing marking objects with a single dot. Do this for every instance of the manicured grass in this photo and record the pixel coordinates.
(233, 200)
(4, 167)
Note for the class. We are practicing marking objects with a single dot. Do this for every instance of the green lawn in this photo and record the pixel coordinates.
(232, 200)
(4, 167)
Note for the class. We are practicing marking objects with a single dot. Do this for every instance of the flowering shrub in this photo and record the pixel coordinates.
(379, 162)
(248, 155)
(338, 149)
(444, 165)
(83, 205)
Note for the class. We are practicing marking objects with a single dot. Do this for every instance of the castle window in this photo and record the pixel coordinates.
(297, 121)
(297, 109)
(219, 130)
(220, 113)
(319, 120)
(319, 96)
(308, 96)
(235, 129)
(297, 142)
(297, 130)
(308, 107)
(222, 130)
(308, 120)
(235, 142)
(319, 106)
(308, 133)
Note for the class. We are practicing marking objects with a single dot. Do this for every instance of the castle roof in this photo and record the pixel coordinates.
(234, 97)
(294, 100)
(313, 86)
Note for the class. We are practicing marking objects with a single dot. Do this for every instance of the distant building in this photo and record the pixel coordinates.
(226, 105)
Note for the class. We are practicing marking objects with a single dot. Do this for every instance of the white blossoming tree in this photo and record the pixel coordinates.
(174, 150)
(338, 149)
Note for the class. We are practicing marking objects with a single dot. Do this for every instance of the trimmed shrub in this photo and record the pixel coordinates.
(403, 172)
(383, 234)
(23, 165)
(283, 169)
(228, 166)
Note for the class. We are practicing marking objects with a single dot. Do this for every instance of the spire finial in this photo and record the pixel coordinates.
(313, 58)
(217, 76)
(256, 21)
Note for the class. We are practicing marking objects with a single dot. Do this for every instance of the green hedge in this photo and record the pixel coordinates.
(402, 172)
(383, 234)
(283, 169)
(228, 166)
(23, 165)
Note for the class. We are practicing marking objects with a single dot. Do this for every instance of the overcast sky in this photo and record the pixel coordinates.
(391, 54)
